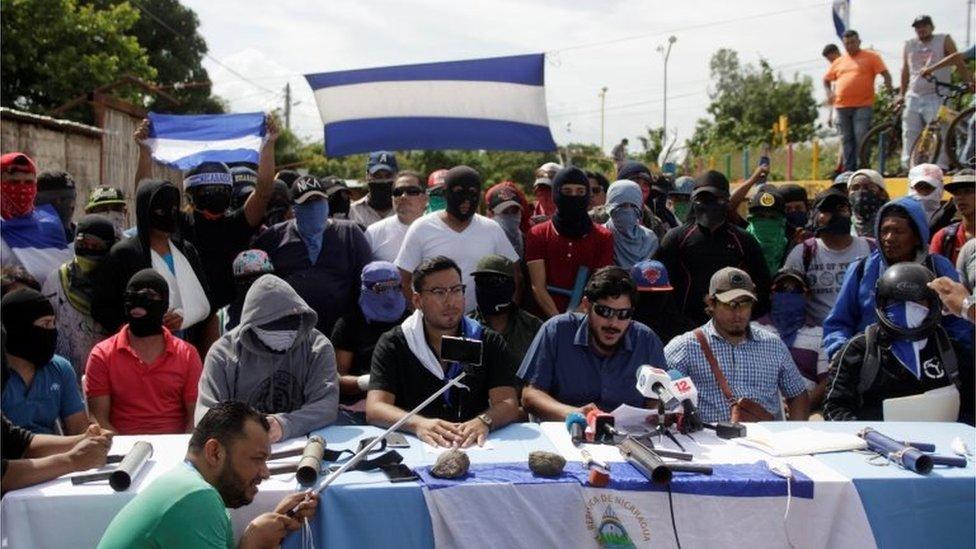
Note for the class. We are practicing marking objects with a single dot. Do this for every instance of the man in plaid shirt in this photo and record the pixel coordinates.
(755, 362)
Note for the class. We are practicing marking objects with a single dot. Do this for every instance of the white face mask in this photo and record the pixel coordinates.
(915, 313)
(276, 340)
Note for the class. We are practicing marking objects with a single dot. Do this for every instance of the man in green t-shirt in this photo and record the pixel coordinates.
(186, 507)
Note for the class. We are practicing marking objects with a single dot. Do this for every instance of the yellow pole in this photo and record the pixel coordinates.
(815, 160)
(711, 162)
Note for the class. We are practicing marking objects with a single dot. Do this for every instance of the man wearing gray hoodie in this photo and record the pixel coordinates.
(276, 361)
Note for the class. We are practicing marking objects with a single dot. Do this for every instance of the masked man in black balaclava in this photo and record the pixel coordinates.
(381, 169)
(42, 388)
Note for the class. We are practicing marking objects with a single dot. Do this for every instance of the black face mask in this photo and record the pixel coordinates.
(152, 322)
(710, 214)
(494, 293)
(34, 344)
(212, 200)
(838, 224)
(339, 204)
(163, 211)
(380, 195)
(571, 217)
(454, 198)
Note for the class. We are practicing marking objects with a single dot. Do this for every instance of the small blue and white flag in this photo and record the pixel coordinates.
(184, 141)
(36, 242)
(492, 104)
(841, 11)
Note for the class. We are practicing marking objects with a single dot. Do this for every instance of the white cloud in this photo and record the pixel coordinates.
(275, 43)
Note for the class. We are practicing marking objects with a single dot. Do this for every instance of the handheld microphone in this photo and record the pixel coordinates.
(655, 383)
(601, 426)
(311, 462)
(576, 425)
(685, 391)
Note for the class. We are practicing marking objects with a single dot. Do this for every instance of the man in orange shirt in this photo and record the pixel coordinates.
(853, 95)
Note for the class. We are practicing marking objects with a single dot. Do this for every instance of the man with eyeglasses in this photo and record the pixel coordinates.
(756, 364)
(584, 361)
(409, 201)
(407, 367)
(378, 202)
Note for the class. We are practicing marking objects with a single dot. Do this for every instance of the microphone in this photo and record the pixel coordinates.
(576, 425)
(311, 462)
(684, 389)
(601, 426)
(656, 383)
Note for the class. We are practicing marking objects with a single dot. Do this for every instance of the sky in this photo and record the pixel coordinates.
(257, 47)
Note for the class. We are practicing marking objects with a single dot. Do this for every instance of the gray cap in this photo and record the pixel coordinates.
(730, 283)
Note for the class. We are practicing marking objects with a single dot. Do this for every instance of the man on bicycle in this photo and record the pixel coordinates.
(918, 92)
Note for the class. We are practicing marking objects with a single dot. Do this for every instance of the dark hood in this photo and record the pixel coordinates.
(144, 196)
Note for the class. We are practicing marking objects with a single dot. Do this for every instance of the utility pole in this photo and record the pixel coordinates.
(969, 23)
(603, 100)
(667, 53)
(288, 106)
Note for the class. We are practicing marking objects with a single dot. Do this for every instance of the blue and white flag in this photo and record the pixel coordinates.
(184, 141)
(36, 242)
(491, 104)
(841, 11)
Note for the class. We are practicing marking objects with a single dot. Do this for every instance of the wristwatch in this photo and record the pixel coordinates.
(486, 419)
(966, 305)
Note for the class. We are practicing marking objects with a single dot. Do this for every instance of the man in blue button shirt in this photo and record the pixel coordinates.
(42, 387)
(579, 362)
(756, 364)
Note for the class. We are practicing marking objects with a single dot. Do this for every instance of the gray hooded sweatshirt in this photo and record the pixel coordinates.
(299, 387)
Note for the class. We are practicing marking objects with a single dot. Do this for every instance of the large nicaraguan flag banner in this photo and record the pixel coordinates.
(841, 13)
(491, 104)
(35, 241)
(184, 141)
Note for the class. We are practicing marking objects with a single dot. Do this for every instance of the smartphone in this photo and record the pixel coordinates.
(397, 440)
(459, 349)
(764, 161)
(399, 472)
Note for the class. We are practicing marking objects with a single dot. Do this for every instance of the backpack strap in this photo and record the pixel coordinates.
(949, 236)
(809, 252)
(723, 384)
(948, 356)
(872, 359)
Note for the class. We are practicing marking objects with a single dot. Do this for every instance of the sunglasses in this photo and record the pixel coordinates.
(609, 312)
(409, 191)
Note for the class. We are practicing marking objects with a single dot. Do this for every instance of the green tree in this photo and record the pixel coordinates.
(53, 50)
(169, 33)
(653, 144)
(747, 100)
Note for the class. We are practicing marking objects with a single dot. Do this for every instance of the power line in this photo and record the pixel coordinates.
(208, 56)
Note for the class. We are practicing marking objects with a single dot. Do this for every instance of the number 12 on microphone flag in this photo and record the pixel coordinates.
(491, 104)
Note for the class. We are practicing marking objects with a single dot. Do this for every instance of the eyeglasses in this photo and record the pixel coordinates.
(736, 305)
(409, 191)
(609, 312)
(443, 293)
(383, 286)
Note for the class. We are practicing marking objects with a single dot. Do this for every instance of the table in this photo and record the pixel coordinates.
(363, 509)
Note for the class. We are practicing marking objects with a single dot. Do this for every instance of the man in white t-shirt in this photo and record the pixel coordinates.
(409, 201)
(458, 232)
(378, 202)
(824, 259)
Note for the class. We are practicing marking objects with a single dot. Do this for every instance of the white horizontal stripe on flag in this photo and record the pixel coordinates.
(171, 150)
(434, 98)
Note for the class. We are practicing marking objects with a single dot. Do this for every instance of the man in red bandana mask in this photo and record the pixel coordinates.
(32, 239)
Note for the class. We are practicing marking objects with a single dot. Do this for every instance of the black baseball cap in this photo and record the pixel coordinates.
(306, 187)
(711, 182)
(767, 197)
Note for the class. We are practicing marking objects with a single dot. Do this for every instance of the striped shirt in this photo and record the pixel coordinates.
(759, 368)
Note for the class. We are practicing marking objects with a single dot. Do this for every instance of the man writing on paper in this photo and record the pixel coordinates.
(187, 506)
(906, 352)
(407, 367)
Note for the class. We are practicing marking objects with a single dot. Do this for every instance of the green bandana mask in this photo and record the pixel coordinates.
(771, 234)
(436, 203)
(681, 210)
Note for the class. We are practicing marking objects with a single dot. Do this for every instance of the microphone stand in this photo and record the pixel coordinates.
(358, 456)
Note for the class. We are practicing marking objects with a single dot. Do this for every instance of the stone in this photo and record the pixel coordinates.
(546, 464)
(451, 464)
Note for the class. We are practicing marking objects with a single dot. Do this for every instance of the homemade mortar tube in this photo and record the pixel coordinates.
(311, 462)
(121, 478)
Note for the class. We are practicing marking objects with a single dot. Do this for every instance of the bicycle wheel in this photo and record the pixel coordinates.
(956, 136)
(926, 147)
(870, 154)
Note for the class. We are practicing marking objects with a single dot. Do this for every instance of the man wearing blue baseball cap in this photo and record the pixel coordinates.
(655, 306)
(378, 202)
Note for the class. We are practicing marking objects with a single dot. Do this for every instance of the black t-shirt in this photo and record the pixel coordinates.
(395, 369)
(354, 334)
(14, 442)
(218, 242)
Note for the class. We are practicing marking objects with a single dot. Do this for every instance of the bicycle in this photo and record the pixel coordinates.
(881, 146)
(949, 126)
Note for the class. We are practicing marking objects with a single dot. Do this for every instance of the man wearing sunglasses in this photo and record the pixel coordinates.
(582, 361)
(755, 363)
(409, 201)
(378, 202)
(407, 367)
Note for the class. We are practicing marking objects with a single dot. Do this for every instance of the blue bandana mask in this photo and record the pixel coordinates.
(908, 314)
(311, 219)
(788, 312)
(625, 218)
(386, 305)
